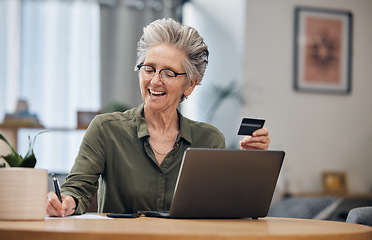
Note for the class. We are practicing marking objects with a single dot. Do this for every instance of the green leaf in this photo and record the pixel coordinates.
(6, 141)
(14, 160)
(29, 161)
(31, 144)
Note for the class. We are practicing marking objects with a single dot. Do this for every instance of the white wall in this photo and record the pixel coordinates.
(319, 132)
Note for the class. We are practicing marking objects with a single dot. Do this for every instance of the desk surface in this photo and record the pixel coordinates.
(157, 228)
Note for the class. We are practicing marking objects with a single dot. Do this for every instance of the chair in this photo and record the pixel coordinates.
(360, 215)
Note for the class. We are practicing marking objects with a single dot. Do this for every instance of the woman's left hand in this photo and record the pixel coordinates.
(259, 140)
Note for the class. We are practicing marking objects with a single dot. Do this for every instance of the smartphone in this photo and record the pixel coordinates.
(249, 125)
(123, 215)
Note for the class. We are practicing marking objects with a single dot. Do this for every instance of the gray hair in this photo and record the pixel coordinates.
(184, 37)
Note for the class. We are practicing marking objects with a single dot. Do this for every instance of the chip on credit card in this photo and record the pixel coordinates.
(249, 125)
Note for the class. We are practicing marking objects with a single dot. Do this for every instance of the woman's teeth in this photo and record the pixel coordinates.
(154, 93)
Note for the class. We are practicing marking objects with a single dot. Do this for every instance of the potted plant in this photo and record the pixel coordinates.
(23, 188)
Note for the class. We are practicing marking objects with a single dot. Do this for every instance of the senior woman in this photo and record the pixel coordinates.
(134, 157)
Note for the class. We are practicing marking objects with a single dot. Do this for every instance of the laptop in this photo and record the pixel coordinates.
(220, 183)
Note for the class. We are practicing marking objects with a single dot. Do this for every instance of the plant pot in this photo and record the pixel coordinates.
(23, 193)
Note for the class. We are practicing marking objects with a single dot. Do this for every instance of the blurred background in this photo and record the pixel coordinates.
(71, 59)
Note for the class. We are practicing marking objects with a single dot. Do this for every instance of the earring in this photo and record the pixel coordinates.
(186, 97)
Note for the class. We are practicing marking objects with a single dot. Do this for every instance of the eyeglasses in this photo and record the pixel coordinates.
(166, 75)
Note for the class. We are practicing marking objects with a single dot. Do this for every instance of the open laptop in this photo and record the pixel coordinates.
(220, 183)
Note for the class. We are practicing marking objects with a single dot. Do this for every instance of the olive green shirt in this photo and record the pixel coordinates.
(115, 155)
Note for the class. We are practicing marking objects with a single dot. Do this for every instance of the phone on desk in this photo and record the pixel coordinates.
(123, 215)
(249, 125)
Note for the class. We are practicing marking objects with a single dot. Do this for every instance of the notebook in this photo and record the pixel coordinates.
(220, 183)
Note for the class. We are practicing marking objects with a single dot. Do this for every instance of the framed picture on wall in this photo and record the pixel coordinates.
(322, 50)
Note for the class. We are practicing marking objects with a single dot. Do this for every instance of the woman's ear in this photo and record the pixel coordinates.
(190, 86)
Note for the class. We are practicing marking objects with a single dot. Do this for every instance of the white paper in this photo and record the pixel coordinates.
(83, 216)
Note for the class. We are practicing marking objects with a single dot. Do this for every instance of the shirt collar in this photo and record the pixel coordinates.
(185, 131)
(142, 130)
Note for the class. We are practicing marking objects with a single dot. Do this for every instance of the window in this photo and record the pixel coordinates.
(49, 56)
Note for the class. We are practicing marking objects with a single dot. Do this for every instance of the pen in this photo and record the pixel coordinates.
(56, 187)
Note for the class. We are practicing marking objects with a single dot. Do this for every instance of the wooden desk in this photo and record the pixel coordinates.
(157, 228)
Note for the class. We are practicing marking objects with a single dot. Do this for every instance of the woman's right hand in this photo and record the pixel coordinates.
(55, 208)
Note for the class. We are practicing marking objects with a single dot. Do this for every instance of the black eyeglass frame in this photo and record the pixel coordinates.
(145, 65)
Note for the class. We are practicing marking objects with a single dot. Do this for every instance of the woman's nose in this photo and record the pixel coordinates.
(156, 79)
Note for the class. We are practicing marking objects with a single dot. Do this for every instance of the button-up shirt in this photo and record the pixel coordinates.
(115, 155)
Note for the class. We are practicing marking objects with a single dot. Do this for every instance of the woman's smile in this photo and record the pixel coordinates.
(156, 93)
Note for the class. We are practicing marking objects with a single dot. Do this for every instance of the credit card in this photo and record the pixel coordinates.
(249, 125)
